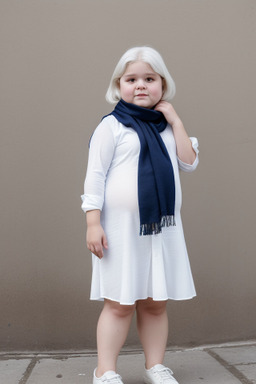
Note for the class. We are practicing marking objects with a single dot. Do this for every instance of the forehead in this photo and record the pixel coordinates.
(139, 67)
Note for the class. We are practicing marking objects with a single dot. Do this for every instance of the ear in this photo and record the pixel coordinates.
(163, 86)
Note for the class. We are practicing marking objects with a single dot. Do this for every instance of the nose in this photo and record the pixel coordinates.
(141, 84)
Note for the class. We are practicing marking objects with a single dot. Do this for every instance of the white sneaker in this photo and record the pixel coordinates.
(109, 377)
(159, 374)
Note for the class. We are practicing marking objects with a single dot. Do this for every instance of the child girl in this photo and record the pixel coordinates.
(132, 200)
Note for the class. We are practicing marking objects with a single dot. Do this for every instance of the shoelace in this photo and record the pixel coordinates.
(115, 379)
(165, 374)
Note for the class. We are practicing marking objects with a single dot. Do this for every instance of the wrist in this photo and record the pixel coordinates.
(93, 225)
(93, 218)
(177, 123)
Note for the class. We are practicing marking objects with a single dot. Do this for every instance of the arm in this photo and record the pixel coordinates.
(102, 147)
(185, 150)
(95, 237)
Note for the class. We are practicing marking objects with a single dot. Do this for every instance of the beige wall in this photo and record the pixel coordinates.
(57, 57)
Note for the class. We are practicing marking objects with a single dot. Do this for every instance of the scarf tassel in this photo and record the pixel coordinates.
(155, 228)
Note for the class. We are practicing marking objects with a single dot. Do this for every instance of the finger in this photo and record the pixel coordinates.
(105, 242)
(158, 107)
(97, 254)
(99, 251)
(92, 249)
(100, 255)
(89, 246)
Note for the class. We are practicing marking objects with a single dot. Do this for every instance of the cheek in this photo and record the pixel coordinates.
(157, 92)
(125, 92)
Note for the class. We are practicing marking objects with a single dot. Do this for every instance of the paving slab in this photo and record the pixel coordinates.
(243, 354)
(59, 370)
(249, 371)
(195, 366)
(12, 370)
(241, 359)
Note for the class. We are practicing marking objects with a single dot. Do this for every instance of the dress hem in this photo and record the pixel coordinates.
(101, 298)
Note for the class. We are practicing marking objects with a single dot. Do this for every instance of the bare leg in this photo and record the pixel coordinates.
(152, 324)
(113, 326)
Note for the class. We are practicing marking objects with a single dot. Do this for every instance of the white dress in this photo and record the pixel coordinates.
(134, 267)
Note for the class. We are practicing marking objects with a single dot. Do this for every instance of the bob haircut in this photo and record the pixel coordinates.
(149, 56)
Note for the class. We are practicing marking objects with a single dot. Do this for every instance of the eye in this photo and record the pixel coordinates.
(131, 80)
(149, 79)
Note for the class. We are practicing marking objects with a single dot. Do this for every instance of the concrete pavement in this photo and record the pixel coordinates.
(233, 363)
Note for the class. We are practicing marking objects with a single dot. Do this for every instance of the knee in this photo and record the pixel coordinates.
(119, 310)
(151, 307)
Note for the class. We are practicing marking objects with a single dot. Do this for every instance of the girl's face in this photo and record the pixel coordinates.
(141, 85)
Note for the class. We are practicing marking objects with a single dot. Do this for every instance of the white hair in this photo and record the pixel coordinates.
(149, 56)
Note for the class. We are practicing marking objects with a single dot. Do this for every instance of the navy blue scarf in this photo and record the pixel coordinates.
(156, 186)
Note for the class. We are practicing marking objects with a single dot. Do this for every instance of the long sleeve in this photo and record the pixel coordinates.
(190, 167)
(101, 151)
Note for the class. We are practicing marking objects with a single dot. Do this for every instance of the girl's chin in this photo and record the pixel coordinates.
(143, 103)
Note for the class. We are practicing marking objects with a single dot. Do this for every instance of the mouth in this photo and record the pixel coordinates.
(141, 95)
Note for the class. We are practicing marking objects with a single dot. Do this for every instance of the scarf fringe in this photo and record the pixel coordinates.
(155, 228)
